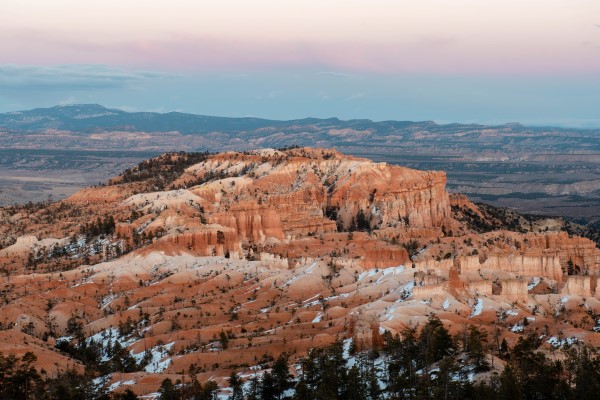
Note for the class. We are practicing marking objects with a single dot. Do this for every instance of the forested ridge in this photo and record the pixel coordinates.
(419, 363)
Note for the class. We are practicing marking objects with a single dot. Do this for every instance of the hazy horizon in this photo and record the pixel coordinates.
(310, 117)
(534, 62)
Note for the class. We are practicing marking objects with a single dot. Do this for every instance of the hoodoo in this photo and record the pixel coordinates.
(219, 262)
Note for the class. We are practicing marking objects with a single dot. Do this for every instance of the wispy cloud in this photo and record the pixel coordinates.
(67, 101)
(335, 74)
(356, 96)
(590, 44)
(76, 76)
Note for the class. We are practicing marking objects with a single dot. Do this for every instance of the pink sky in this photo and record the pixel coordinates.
(429, 36)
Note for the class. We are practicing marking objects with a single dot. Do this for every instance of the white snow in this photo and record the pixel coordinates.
(406, 291)
(312, 297)
(118, 384)
(311, 268)
(106, 300)
(64, 339)
(159, 360)
(556, 342)
(390, 271)
(389, 314)
(367, 274)
(446, 304)
(101, 381)
(108, 338)
(534, 282)
(318, 318)
(158, 355)
(478, 308)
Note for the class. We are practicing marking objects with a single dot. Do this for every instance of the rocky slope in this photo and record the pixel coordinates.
(222, 262)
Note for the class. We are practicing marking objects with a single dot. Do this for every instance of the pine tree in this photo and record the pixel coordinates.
(167, 390)
(254, 389)
(267, 387)
(355, 388)
(236, 385)
(282, 379)
(210, 391)
(476, 340)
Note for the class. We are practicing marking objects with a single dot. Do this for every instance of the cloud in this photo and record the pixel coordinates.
(335, 74)
(590, 44)
(356, 96)
(77, 76)
(67, 101)
(323, 95)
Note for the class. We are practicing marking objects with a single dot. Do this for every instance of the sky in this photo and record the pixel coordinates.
(484, 61)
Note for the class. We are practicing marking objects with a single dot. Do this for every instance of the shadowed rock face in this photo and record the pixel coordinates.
(280, 251)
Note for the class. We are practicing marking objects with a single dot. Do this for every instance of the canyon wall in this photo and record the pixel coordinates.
(577, 285)
(514, 289)
(526, 265)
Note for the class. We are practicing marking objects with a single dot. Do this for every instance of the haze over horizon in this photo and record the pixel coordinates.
(534, 62)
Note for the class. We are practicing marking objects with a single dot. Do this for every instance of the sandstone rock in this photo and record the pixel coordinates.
(577, 285)
(514, 290)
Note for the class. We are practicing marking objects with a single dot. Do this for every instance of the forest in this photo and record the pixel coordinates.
(418, 364)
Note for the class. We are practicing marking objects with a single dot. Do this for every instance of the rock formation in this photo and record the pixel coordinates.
(514, 290)
(278, 251)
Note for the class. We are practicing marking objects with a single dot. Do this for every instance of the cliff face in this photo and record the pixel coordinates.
(251, 222)
(582, 254)
(578, 285)
(269, 198)
(283, 251)
(514, 290)
(525, 265)
(391, 195)
(303, 185)
(213, 241)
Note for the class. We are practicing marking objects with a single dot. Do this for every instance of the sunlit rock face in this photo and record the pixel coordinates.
(281, 251)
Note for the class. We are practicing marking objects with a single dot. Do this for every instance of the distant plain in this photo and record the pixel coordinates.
(543, 170)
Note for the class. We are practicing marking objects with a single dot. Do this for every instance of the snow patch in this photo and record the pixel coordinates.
(556, 342)
(446, 304)
(158, 357)
(534, 282)
(478, 308)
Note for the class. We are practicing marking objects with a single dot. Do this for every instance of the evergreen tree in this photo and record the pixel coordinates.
(302, 392)
(585, 364)
(435, 341)
(268, 390)
(128, 394)
(476, 340)
(510, 387)
(167, 390)
(210, 391)
(282, 379)
(355, 388)
(193, 390)
(254, 389)
(236, 385)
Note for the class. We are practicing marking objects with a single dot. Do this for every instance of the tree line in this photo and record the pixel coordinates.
(417, 364)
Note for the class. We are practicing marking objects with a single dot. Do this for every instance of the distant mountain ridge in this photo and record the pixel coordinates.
(95, 117)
